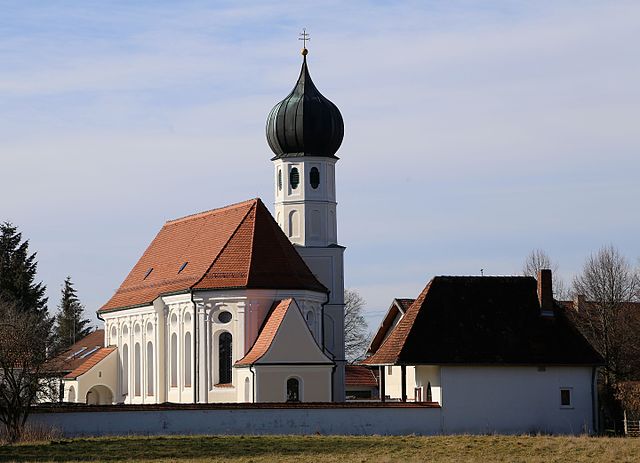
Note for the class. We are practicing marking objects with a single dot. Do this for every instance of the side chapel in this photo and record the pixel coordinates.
(232, 305)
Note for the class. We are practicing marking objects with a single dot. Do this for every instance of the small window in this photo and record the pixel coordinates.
(224, 317)
(182, 267)
(314, 177)
(294, 178)
(279, 180)
(148, 273)
(389, 370)
(293, 390)
(565, 397)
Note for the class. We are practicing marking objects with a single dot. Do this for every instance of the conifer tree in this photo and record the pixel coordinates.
(18, 273)
(70, 324)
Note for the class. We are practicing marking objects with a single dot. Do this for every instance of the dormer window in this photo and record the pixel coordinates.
(148, 273)
(182, 267)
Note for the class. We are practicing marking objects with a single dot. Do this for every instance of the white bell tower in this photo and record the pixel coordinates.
(305, 131)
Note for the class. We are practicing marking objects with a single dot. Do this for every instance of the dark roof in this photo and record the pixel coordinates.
(78, 353)
(305, 123)
(483, 320)
(238, 246)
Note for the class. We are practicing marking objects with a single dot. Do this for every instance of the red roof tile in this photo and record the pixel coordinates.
(78, 353)
(90, 362)
(238, 246)
(267, 334)
(398, 307)
(357, 375)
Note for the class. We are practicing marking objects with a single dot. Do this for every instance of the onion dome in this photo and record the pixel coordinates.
(305, 123)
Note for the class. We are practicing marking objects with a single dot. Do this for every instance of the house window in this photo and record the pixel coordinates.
(565, 397)
(389, 370)
(293, 390)
(225, 358)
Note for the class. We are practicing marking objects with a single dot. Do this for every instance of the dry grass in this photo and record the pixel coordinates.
(342, 449)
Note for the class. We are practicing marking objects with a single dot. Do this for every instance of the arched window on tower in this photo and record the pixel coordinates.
(294, 178)
(293, 390)
(225, 358)
(314, 177)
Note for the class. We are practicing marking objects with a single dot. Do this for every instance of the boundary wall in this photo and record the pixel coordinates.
(242, 419)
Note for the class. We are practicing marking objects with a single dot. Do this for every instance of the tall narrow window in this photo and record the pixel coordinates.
(174, 360)
(294, 178)
(149, 368)
(279, 179)
(293, 390)
(187, 360)
(225, 354)
(138, 370)
(314, 177)
(125, 369)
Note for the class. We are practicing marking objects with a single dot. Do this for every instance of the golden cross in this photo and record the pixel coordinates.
(304, 37)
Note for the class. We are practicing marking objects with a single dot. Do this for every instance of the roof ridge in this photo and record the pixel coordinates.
(210, 211)
(213, 262)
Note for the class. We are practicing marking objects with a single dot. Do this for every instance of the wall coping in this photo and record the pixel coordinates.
(74, 408)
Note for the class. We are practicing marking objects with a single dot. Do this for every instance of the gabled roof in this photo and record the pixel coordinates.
(357, 375)
(78, 353)
(482, 320)
(238, 246)
(274, 342)
(398, 308)
(90, 362)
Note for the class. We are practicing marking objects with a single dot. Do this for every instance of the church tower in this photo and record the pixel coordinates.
(305, 131)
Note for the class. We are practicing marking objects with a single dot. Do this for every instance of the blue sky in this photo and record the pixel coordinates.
(474, 131)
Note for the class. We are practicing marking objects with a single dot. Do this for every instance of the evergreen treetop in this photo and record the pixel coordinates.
(70, 325)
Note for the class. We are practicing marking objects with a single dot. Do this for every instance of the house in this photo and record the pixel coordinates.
(232, 305)
(494, 352)
(361, 383)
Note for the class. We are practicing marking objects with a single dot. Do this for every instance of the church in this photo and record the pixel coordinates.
(232, 304)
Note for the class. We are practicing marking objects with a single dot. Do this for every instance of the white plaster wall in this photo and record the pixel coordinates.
(515, 399)
(102, 374)
(393, 382)
(425, 375)
(315, 382)
(345, 421)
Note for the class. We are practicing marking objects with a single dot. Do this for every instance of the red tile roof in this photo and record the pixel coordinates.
(77, 354)
(267, 333)
(90, 362)
(399, 306)
(238, 246)
(357, 375)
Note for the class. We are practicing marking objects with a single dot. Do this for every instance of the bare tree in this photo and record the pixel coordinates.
(609, 318)
(24, 343)
(538, 260)
(356, 330)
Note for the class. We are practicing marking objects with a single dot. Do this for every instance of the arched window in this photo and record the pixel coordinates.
(138, 370)
(174, 360)
(187, 360)
(294, 224)
(114, 336)
(293, 390)
(125, 369)
(225, 358)
(279, 179)
(429, 395)
(149, 368)
(294, 178)
(314, 177)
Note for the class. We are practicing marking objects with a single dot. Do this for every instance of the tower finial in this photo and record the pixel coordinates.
(304, 37)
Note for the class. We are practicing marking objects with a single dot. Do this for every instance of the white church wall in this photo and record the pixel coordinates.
(514, 399)
(314, 380)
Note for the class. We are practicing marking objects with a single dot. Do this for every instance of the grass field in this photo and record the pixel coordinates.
(331, 449)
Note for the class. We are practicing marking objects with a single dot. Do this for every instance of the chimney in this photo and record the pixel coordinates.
(545, 291)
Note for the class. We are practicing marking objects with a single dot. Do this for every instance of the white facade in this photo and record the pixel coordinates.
(502, 399)
(305, 209)
(171, 351)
